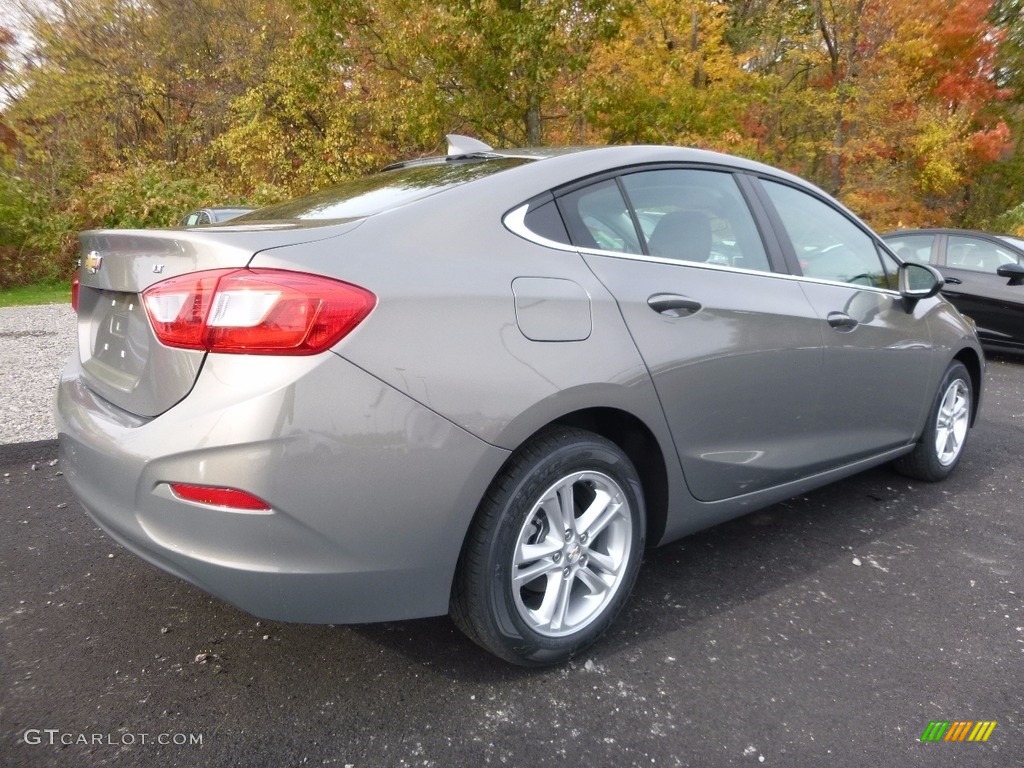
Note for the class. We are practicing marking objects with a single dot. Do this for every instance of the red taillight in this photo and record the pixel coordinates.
(255, 311)
(75, 283)
(232, 498)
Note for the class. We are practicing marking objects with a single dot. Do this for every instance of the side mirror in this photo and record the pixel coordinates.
(918, 281)
(1014, 273)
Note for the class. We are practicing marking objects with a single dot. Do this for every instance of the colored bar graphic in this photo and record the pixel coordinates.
(982, 731)
(935, 731)
(958, 730)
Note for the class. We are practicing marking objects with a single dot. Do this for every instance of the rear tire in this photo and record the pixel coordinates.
(553, 551)
(945, 434)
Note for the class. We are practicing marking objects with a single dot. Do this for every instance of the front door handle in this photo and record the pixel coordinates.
(673, 305)
(841, 321)
(953, 280)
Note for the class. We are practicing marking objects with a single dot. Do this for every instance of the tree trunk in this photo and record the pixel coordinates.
(533, 125)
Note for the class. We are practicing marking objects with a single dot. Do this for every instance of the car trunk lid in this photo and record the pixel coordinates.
(122, 360)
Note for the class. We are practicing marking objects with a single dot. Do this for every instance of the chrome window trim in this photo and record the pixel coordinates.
(515, 222)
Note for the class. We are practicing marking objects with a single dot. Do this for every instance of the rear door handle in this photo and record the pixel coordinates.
(673, 305)
(841, 321)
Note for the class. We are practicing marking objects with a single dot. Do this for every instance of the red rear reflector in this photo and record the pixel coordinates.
(255, 311)
(231, 498)
(75, 284)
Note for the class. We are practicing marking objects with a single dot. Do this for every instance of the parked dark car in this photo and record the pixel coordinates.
(481, 384)
(202, 216)
(984, 276)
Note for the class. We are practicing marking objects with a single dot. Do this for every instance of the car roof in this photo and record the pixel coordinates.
(539, 171)
(947, 231)
(611, 156)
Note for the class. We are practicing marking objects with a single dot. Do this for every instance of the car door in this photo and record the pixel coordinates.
(969, 264)
(877, 355)
(734, 349)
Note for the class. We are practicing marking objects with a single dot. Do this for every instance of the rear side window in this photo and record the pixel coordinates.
(828, 245)
(597, 217)
(382, 191)
(546, 221)
(696, 215)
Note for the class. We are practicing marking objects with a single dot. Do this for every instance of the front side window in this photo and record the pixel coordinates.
(916, 248)
(975, 254)
(828, 245)
(696, 215)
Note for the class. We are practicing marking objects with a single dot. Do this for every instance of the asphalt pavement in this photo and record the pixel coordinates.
(829, 630)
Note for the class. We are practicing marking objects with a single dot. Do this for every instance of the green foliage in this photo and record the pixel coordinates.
(36, 293)
(1011, 222)
(140, 196)
(34, 239)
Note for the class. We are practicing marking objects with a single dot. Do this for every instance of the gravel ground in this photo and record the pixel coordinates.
(34, 343)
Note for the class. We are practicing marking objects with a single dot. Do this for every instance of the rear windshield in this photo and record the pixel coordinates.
(382, 191)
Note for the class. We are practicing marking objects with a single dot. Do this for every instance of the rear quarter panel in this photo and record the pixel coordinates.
(445, 328)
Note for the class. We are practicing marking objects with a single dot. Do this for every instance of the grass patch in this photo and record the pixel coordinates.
(39, 293)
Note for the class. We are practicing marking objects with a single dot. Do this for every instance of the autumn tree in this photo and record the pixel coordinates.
(114, 81)
(884, 103)
(115, 106)
(670, 77)
(504, 69)
(994, 201)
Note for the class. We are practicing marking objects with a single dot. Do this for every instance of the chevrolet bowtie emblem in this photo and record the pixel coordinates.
(92, 262)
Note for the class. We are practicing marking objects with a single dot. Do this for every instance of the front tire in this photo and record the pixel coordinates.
(554, 550)
(945, 434)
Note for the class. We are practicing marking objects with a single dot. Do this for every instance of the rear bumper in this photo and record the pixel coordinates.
(371, 492)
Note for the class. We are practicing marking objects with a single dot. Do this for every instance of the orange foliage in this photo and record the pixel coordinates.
(991, 143)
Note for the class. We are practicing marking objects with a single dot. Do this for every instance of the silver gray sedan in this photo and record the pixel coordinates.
(481, 384)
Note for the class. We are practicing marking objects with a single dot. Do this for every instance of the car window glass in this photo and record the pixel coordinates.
(544, 220)
(975, 254)
(892, 268)
(916, 248)
(828, 245)
(204, 218)
(696, 215)
(368, 195)
(597, 217)
(191, 219)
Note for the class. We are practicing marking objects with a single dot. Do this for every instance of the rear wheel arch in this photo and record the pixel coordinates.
(638, 442)
(632, 435)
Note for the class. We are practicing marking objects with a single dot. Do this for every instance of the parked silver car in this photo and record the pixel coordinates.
(481, 384)
(201, 216)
